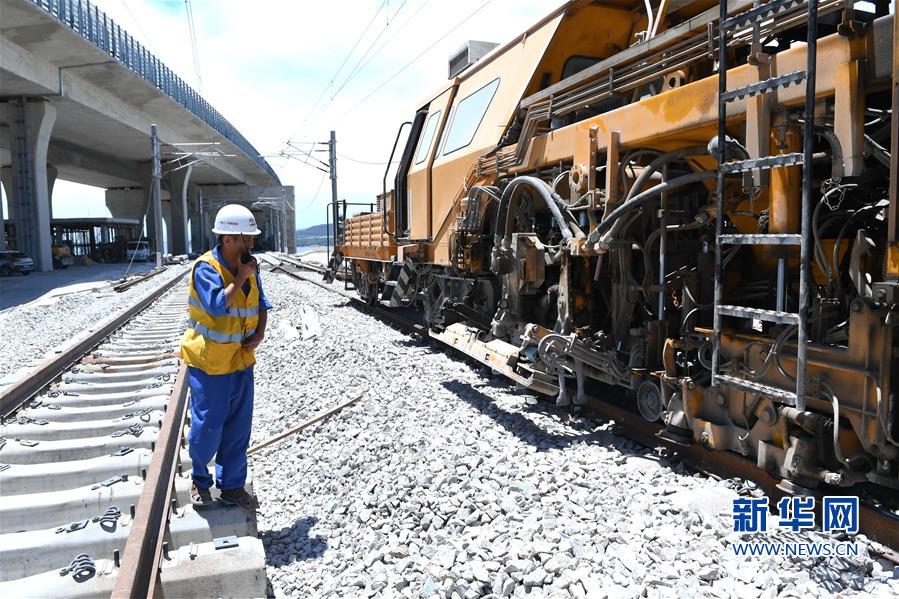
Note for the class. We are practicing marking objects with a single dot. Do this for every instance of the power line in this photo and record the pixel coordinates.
(308, 154)
(141, 29)
(345, 59)
(411, 62)
(304, 157)
(395, 33)
(193, 43)
(355, 69)
(345, 157)
(314, 197)
(360, 65)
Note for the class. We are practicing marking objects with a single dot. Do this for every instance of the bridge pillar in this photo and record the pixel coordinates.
(126, 202)
(167, 220)
(179, 190)
(290, 229)
(278, 228)
(51, 181)
(266, 221)
(28, 190)
(196, 223)
(6, 178)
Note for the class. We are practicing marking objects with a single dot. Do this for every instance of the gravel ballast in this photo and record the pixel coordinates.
(31, 330)
(444, 481)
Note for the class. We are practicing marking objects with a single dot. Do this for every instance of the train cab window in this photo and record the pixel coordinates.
(427, 137)
(576, 64)
(469, 113)
(446, 127)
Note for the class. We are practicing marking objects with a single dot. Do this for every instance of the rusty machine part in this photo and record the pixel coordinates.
(699, 206)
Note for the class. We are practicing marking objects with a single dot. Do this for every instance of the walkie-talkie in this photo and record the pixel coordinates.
(245, 256)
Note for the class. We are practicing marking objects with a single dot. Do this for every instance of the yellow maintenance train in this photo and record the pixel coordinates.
(691, 200)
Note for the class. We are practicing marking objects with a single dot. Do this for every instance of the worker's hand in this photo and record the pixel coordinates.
(246, 270)
(252, 342)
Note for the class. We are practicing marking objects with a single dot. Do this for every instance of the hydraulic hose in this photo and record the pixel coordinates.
(829, 393)
(820, 256)
(654, 166)
(643, 198)
(545, 192)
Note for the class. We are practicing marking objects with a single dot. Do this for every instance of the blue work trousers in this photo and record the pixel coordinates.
(221, 414)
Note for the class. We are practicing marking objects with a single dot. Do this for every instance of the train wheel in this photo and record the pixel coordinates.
(649, 400)
(367, 283)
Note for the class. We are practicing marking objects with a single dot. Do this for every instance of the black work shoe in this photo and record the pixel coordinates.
(200, 496)
(240, 498)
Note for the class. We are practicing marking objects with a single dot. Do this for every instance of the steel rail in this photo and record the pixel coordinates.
(402, 323)
(139, 573)
(125, 285)
(25, 388)
(876, 524)
(304, 265)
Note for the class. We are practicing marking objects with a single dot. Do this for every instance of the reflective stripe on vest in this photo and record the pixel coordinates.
(215, 335)
(213, 343)
(236, 312)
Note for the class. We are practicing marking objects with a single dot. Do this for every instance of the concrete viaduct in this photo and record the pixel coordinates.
(77, 97)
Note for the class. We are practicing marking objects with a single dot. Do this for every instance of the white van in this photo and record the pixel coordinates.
(138, 250)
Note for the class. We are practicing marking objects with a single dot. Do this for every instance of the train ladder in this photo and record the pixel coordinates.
(752, 18)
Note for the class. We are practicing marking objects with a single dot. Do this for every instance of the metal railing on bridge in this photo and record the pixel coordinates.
(93, 25)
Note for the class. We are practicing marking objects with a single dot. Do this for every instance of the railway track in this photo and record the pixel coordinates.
(394, 317)
(94, 474)
(125, 285)
(875, 521)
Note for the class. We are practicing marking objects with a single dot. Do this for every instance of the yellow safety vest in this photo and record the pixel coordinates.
(213, 343)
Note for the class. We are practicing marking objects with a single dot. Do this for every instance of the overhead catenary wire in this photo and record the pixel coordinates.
(417, 57)
(139, 27)
(360, 65)
(396, 32)
(368, 57)
(315, 196)
(307, 154)
(359, 39)
(345, 157)
(305, 157)
(356, 68)
(193, 43)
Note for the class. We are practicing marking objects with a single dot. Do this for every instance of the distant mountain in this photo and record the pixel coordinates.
(312, 236)
(313, 231)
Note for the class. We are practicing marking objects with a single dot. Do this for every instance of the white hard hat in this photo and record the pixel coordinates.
(235, 219)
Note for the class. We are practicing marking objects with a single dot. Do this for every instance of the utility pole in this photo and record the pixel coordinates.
(157, 194)
(277, 215)
(332, 155)
(202, 241)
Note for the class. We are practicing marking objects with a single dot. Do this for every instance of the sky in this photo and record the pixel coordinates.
(292, 70)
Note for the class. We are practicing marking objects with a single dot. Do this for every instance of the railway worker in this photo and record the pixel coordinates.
(227, 317)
